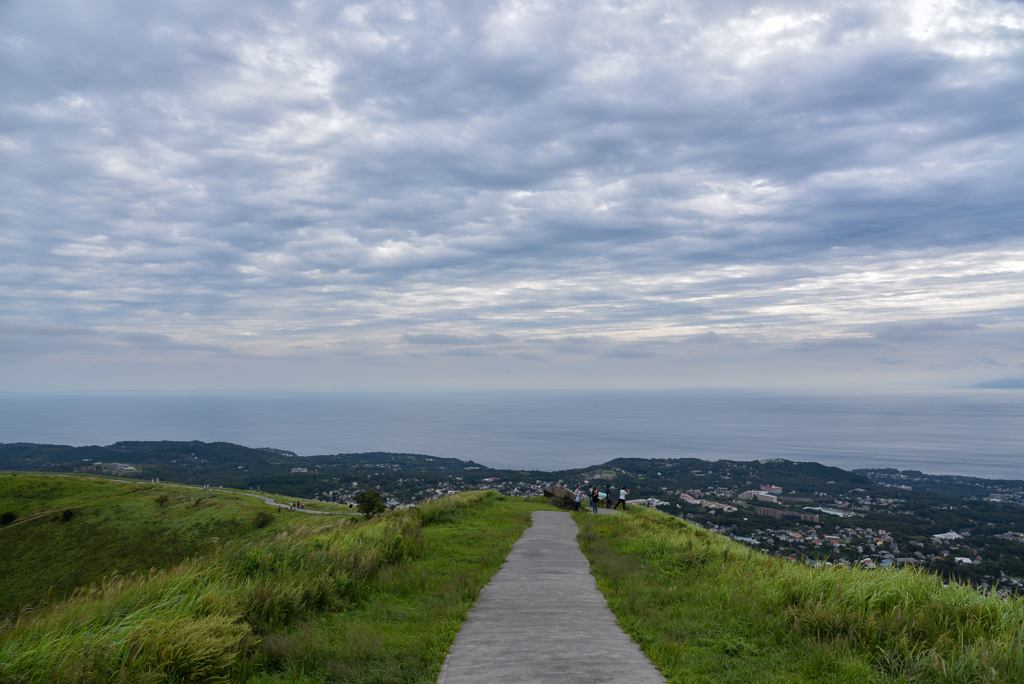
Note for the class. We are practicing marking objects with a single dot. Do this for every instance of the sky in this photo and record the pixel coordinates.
(480, 194)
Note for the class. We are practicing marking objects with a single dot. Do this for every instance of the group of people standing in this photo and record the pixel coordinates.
(595, 497)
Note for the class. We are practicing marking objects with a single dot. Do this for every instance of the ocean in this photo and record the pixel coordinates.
(960, 432)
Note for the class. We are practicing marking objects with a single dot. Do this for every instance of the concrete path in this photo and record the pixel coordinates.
(542, 619)
(266, 499)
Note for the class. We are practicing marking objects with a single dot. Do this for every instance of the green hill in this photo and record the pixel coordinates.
(708, 609)
(73, 531)
(232, 465)
(319, 599)
(303, 599)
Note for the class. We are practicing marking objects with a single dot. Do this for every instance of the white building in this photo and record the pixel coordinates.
(760, 496)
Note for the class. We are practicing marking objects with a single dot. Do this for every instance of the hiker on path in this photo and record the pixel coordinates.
(607, 496)
(578, 494)
(622, 499)
(595, 499)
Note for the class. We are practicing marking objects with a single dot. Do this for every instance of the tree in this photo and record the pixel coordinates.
(370, 503)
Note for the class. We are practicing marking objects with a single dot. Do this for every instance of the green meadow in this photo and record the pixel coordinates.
(301, 599)
(73, 531)
(707, 609)
(149, 583)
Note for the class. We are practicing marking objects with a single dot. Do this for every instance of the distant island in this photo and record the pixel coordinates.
(1005, 383)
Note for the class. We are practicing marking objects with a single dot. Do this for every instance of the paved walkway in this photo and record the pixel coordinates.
(542, 619)
(266, 499)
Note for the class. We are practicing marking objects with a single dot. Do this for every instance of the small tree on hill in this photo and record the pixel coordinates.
(370, 503)
(8, 517)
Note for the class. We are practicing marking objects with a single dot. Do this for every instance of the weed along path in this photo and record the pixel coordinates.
(541, 618)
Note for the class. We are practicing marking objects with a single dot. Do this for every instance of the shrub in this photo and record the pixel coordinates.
(68, 514)
(8, 517)
(370, 503)
(262, 519)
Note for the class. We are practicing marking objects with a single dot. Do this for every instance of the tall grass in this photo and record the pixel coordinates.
(127, 527)
(701, 603)
(227, 617)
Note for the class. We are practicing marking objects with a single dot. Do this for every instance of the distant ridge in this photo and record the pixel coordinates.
(1005, 383)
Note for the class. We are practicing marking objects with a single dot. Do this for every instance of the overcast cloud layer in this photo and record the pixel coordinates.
(481, 194)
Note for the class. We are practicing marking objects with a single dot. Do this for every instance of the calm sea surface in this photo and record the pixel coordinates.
(968, 432)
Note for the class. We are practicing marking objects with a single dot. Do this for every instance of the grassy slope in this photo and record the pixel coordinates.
(707, 609)
(313, 599)
(116, 526)
(327, 600)
(405, 624)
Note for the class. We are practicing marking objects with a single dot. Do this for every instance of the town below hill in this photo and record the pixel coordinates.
(970, 529)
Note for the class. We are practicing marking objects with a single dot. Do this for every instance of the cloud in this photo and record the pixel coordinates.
(442, 338)
(575, 345)
(466, 351)
(631, 351)
(836, 343)
(710, 337)
(313, 180)
(157, 341)
(48, 331)
(18, 343)
(925, 330)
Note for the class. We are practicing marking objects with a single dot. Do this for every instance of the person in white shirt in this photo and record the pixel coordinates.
(622, 499)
